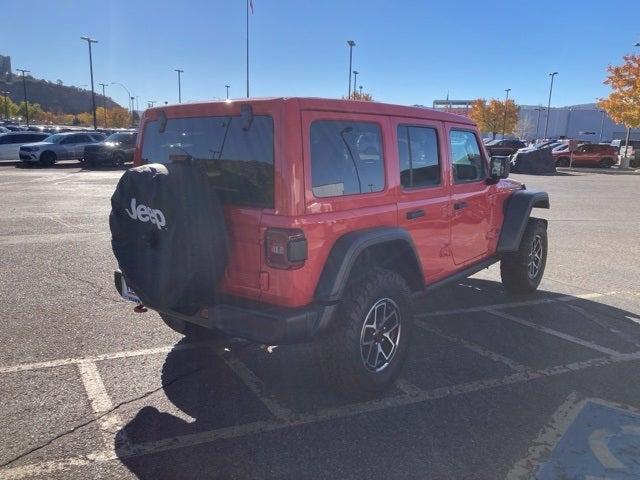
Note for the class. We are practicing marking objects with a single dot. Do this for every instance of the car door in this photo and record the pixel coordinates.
(424, 197)
(470, 203)
(82, 140)
(8, 146)
(66, 147)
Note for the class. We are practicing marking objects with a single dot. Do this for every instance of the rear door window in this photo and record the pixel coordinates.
(467, 162)
(418, 156)
(346, 158)
(239, 160)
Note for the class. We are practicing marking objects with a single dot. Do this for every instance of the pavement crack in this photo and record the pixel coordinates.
(98, 417)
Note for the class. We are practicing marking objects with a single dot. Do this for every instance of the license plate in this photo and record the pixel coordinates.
(127, 293)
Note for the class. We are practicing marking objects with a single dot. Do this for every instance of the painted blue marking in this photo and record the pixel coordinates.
(602, 442)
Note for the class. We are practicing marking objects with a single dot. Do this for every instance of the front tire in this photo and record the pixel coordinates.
(522, 271)
(118, 160)
(47, 159)
(365, 348)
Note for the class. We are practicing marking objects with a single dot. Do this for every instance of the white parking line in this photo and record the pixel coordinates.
(97, 358)
(496, 357)
(100, 402)
(555, 333)
(254, 384)
(238, 431)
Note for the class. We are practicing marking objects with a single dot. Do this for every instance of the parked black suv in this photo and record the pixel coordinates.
(504, 147)
(116, 150)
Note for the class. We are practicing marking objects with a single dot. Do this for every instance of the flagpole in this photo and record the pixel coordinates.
(247, 48)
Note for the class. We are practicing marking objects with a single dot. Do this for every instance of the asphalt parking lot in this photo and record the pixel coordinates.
(543, 386)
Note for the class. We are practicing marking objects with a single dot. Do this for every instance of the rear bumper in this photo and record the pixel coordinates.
(258, 322)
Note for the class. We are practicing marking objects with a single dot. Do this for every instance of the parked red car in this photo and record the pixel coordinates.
(291, 219)
(587, 155)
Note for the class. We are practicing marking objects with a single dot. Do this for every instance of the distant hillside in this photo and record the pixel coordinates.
(52, 96)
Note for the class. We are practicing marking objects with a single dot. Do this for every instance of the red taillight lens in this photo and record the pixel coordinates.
(285, 248)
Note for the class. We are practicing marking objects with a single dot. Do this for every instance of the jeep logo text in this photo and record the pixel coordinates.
(145, 214)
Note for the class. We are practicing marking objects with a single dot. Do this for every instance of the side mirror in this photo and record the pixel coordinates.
(499, 168)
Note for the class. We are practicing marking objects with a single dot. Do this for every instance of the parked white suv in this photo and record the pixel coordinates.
(60, 146)
(10, 143)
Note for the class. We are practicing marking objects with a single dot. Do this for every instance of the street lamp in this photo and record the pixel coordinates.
(602, 124)
(24, 88)
(227, 87)
(104, 103)
(93, 93)
(151, 103)
(546, 124)
(355, 77)
(128, 99)
(179, 84)
(360, 90)
(504, 117)
(539, 109)
(351, 44)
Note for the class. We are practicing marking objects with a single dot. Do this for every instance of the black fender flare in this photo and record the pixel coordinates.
(516, 216)
(344, 255)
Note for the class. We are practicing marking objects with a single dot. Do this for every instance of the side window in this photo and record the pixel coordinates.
(346, 158)
(83, 138)
(465, 157)
(418, 156)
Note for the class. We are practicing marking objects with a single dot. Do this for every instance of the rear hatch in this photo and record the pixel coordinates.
(238, 153)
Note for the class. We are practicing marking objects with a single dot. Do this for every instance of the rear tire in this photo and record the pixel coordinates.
(606, 163)
(563, 162)
(522, 271)
(365, 348)
(47, 159)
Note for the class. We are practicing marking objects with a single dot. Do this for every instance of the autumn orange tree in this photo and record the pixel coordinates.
(362, 96)
(623, 103)
(494, 115)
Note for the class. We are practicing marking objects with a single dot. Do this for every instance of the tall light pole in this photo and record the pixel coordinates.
(351, 44)
(360, 90)
(249, 5)
(355, 79)
(93, 93)
(504, 117)
(179, 84)
(151, 103)
(227, 87)
(539, 109)
(601, 124)
(104, 103)
(546, 124)
(24, 89)
(128, 99)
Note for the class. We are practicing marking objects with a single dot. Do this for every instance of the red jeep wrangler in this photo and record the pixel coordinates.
(290, 219)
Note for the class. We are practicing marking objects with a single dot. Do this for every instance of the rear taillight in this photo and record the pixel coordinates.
(285, 248)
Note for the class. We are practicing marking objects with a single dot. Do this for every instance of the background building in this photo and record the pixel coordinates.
(583, 122)
(5, 67)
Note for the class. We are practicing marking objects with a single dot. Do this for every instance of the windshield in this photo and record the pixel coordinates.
(240, 161)
(57, 138)
(121, 138)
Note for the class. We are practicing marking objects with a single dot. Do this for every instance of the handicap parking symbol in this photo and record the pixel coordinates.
(601, 443)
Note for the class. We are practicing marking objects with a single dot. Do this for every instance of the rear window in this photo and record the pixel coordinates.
(346, 158)
(239, 161)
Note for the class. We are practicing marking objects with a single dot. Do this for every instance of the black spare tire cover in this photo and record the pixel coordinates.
(169, 235)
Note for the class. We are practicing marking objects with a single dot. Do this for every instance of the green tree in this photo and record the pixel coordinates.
(10, 107)
(35, 111)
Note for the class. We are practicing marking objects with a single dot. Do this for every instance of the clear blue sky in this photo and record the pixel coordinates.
(407, 51)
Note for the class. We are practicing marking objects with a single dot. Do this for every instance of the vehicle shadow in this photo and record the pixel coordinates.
(64, 165)
(199, 383)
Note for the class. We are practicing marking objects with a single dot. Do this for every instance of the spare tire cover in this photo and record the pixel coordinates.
(169, 235)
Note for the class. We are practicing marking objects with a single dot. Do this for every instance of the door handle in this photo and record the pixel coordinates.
(415, 214)
(460, 205)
